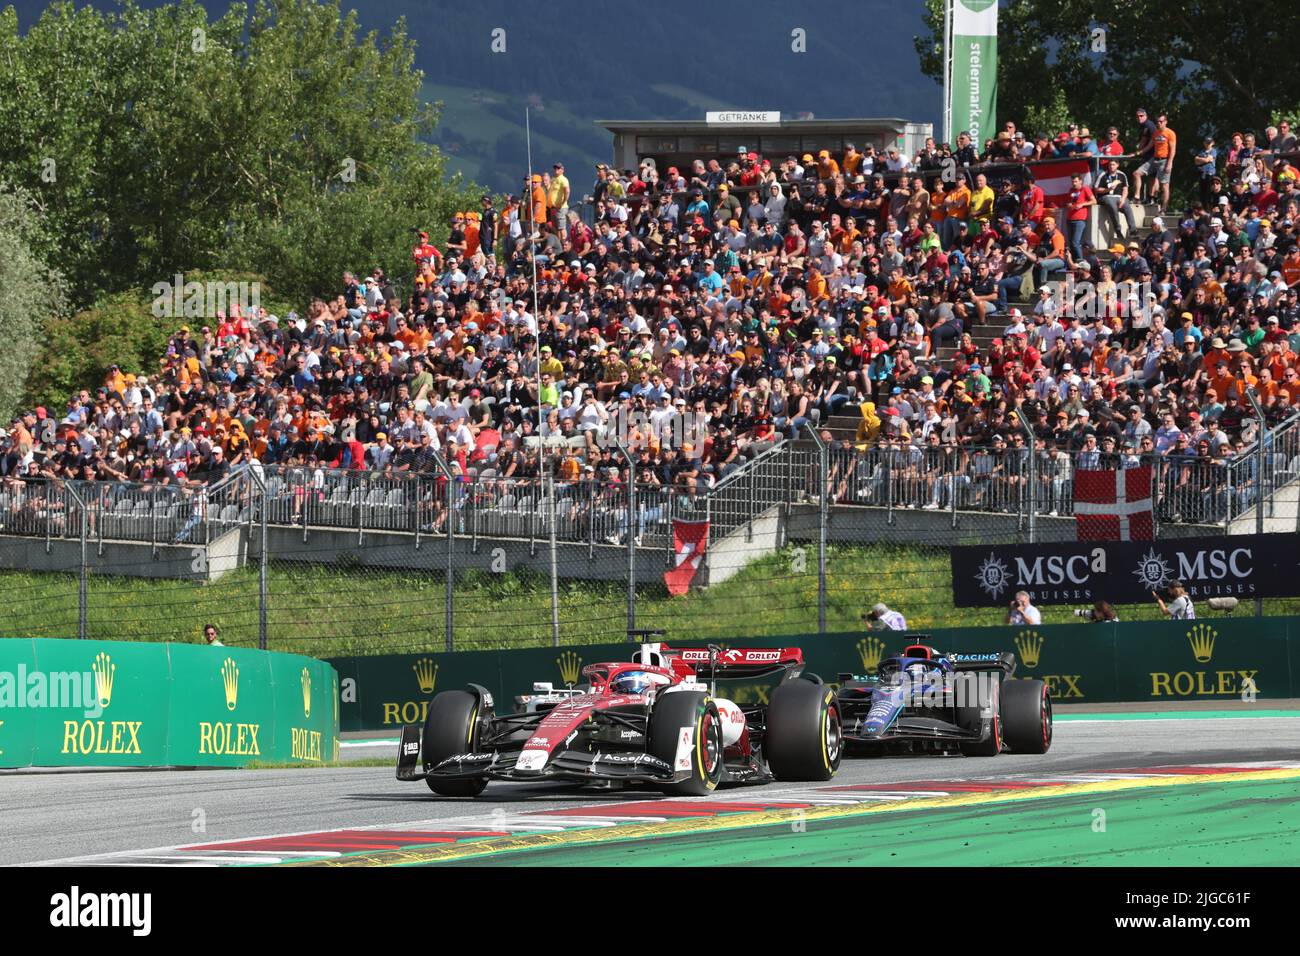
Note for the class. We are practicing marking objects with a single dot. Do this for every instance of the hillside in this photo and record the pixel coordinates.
(585, 60)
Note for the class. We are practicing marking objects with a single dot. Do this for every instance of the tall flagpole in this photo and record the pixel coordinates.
(948, 70)
(545, 478)
(537, 317)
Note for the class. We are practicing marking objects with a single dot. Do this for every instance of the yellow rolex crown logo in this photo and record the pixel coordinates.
(1030, 646)
(306, 693)
(426, 673)
(1202, 638)
(570, 667)
(104, 669)
(230, 678)
(871, 650)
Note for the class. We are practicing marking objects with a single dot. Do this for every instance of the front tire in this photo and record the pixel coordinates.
(804, 739)
(673, 714)
(451, 728)
(1027, 715)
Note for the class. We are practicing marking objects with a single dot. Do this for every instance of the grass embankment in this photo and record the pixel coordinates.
(324, 611)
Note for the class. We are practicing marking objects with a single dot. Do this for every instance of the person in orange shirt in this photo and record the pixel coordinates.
(827, 168)
(1291, 267)
(540, 208)
(817, 285)
(956, 209)
(847, 237)
(1164, 147)
(1290, 384)
(471, 233)
(852, 160)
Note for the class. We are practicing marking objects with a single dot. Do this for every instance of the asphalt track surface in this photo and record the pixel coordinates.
(142, 817)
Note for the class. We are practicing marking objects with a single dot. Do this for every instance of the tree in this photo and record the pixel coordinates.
(1212, 65)
(31, 293)
(279, 141)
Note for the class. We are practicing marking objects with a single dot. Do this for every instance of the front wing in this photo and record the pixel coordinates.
(624, 766)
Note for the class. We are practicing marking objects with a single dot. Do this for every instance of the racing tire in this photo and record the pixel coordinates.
(804, 739)
(450, 728)
(672, 714)
(1027, 716)
(990, 740)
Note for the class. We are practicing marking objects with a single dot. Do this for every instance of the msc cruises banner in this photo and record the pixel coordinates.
(974, 87)
(1126, 572)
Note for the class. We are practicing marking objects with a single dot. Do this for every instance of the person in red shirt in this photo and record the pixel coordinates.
(1033, 202)
(1077, 210)
(425, 251)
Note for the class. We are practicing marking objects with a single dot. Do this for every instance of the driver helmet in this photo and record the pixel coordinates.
(917, 672)
(633, 682)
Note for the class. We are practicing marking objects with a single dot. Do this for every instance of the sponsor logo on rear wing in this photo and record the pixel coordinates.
(733, 656)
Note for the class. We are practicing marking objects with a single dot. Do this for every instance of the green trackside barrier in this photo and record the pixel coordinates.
(70, 703)
(1218, 658)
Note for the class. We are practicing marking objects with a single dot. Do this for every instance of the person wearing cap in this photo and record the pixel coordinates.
(1113, 190)
(882, 618)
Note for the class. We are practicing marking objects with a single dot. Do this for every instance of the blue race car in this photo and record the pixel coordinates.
(920, 701)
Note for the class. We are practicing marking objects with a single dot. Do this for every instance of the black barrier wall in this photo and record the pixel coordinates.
(1244, 566)
(1213, 659)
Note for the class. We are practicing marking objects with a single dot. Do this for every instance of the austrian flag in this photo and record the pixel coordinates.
(1113, 505)
(690, 542)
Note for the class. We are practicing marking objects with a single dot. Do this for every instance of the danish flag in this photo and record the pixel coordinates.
(690, 542)
(1113, 505)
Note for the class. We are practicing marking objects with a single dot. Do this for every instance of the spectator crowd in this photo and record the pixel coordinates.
(750, 296)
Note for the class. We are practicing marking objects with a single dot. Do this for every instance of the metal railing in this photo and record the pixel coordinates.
(893, 476)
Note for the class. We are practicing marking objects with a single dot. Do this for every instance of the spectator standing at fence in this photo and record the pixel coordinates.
(1180, 606)
(210, 636)
(882, 618)
(1022, 611)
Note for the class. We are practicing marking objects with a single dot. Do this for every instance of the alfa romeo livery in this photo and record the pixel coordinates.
(649, 722)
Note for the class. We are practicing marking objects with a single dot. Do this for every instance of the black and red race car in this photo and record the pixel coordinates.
(655, 721)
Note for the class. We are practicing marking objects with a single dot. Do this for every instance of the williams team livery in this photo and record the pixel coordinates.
(920, 701)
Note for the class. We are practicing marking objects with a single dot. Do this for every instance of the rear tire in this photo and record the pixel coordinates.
(1027, 716)
(804, 739)
(673, 712)
(989, 743)
(451, 728)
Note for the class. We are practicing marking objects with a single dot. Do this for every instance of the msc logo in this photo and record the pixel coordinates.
(306, 693)
(230, 678)
(1030, 646)
(426, 674)
(104, 669)
(570, 667)
(870, 651)
(1202, 638)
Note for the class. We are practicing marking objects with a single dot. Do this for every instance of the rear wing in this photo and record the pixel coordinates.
(1003, 661)
(733, 663)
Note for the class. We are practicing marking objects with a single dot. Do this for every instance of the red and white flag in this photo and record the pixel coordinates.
(1054, 179)
(1113, 505)
(690, 542)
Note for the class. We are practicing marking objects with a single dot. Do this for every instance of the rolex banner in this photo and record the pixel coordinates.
(1126, 572)
(69, 703)
(974, 86)
(1211, 658)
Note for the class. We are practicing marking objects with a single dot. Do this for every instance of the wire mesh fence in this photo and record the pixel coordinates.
(802, 538)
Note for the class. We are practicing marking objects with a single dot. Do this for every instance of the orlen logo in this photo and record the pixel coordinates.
(542, 742)
(758, 657)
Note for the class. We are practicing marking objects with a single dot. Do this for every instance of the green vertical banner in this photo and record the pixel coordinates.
(974, 86)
